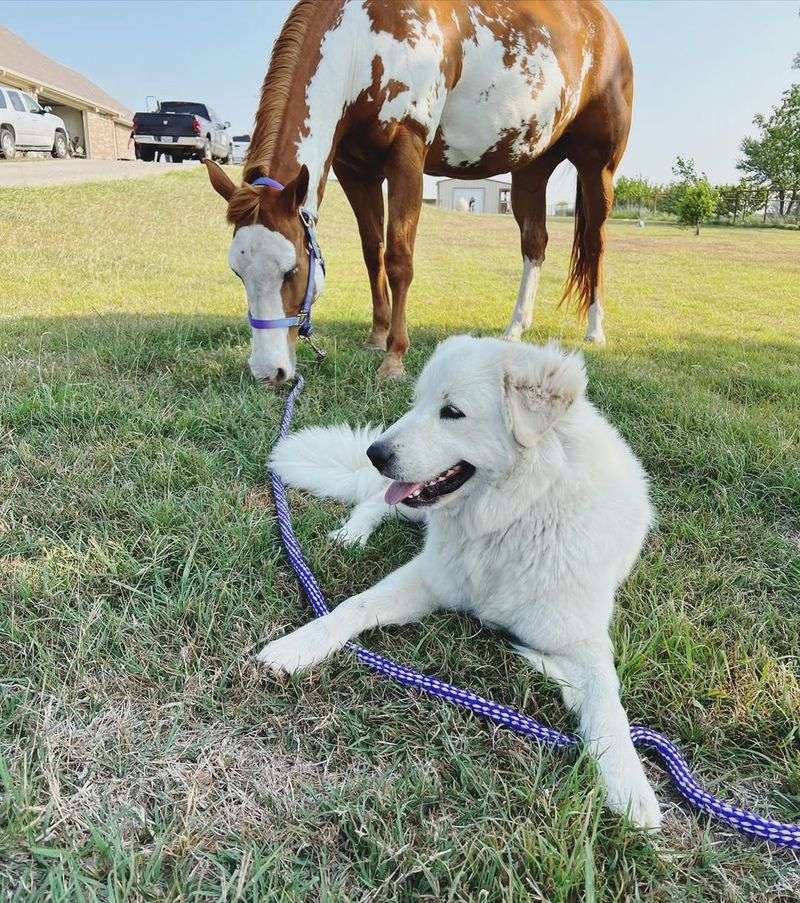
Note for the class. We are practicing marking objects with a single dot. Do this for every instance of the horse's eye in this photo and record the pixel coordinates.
(451, 412)
(290, 274)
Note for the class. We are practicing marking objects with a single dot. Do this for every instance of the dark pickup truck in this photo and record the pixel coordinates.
(182, 130)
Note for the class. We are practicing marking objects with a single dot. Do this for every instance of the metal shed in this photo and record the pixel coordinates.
(474, 195)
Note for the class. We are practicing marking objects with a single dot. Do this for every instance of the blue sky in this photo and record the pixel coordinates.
(703, 67)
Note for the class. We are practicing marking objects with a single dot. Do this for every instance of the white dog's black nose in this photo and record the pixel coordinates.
(380, 456)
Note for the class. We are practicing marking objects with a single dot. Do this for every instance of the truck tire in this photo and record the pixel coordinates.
(148, 154)
(60, 149)
(8, 145)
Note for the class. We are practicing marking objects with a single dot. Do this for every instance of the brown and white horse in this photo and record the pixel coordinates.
(392, 89)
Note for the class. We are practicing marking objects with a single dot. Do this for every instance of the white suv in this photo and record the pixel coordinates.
(27, 126)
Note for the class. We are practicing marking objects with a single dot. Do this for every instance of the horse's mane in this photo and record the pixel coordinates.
(277, 85)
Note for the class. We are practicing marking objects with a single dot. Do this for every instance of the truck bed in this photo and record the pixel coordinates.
(165, 124)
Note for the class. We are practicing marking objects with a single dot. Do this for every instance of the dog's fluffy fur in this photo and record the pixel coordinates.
(536, 542)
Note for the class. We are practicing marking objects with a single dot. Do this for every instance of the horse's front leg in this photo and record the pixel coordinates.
(363, 191)
(404, 168)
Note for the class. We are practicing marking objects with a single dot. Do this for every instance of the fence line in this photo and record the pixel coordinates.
(736, 204)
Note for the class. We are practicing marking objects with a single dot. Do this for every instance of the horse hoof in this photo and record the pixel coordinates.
(391, 368)
(595, 338)
(376, 342)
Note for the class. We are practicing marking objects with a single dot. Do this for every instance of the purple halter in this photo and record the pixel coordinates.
(303, 320)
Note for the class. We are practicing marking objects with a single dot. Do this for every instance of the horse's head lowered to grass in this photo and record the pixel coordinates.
(269, 254)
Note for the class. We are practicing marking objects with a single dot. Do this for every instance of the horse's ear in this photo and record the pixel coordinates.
(219, 179)
(295, 192)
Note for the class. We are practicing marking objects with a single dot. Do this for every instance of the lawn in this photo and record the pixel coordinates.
(143, 756)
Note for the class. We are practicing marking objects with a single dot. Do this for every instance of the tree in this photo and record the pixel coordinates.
(684, 169)
(736, 202)
(697, 204)
(695, 199)
(669, 197)
(633, 193)
(623, 192)
(773, 158)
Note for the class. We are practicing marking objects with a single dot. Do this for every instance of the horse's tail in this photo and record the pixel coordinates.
(584, 262)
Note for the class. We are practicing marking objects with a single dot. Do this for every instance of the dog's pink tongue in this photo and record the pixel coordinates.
(399, 491)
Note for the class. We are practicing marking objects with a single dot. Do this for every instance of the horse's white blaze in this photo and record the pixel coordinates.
(345, 70)
(261, 257)
(491, 100)
(522, 318)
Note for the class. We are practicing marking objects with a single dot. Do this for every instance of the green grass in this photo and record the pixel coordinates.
(142, 756)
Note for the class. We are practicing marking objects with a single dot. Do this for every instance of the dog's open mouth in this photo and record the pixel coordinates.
(417, 495)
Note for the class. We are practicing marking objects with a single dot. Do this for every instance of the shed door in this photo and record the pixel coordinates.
(469, 199)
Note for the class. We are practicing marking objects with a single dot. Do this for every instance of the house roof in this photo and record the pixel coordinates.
(20, 61)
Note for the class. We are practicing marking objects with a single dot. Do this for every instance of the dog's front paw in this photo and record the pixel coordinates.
(299, 650)
(347, 535)
(636, 800)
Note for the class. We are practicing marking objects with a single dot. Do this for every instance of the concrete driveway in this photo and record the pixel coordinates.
(63, 172)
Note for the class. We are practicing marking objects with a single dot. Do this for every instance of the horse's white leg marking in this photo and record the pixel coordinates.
(522, 318)
(594, 326)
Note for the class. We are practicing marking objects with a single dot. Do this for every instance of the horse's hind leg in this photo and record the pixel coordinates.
(363, 191)
(529, 203)
(596, 199)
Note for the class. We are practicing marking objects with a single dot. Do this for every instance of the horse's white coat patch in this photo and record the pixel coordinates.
(345, 70)
(491, 101)
(261, 257)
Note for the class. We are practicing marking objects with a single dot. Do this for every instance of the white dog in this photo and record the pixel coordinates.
(536, 511)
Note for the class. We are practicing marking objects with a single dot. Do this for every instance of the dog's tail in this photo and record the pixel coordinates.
(330, 462)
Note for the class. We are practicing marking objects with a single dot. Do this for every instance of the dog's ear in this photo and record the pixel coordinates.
(539, 386)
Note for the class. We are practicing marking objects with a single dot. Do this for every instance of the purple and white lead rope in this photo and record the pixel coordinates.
(779, 833)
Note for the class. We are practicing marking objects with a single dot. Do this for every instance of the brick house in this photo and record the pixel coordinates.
(102, 123)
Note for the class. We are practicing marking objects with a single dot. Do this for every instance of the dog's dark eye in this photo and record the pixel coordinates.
(450, 412)
(290, 274)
